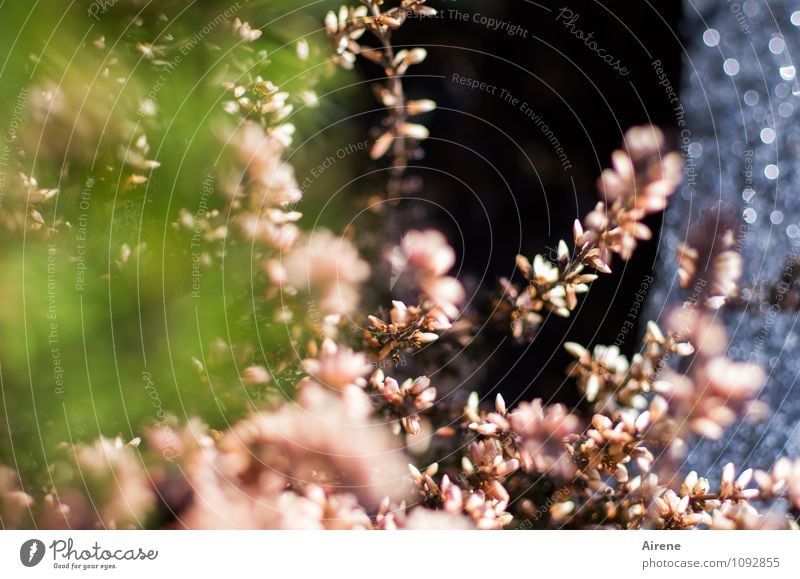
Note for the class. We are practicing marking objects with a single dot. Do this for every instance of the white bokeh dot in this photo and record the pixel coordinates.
(777, 45)
(795, 18)
(785, 110)
(793, 231)
(787, 72)
(711, 37)
(751, 98)
(731, 66)
(749, 215)
(767, 135)
(776, 217)
(771, 171)
(695, 150)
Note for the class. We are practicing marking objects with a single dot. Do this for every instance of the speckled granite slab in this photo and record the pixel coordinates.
(741, 143)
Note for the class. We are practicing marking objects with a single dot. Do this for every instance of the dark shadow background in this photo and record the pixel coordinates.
(496, 185)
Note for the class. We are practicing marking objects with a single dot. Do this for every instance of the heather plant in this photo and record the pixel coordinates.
(300, 399)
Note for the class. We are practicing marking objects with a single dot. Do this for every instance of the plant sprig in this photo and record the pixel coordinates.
(398, 135)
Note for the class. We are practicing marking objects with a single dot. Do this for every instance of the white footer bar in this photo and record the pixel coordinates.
(388, 555)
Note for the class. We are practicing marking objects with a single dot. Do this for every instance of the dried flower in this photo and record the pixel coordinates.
(245, 31)
(782, 481)
(425, 256)
(720, 273)
(740, 516)
(640, 182)
(488, 513)
(676, 513)
(610, 382)
(407, 400)
(608, 447)
(408, 328)
(487, 510)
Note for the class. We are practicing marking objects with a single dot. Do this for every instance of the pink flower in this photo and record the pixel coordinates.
(428, 252)
(428, 520)
(255, 375)
(337, 367)
(14, 504)
(271, 178)
(327, 267)
(445, 293)
(542, 433)
(734, 380)
(121, 494)
(319, 443)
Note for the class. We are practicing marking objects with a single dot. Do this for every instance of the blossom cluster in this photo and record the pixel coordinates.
(346, 29)
(361, 441)
(643, 177)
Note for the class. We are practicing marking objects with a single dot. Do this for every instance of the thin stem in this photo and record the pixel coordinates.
(398, 111)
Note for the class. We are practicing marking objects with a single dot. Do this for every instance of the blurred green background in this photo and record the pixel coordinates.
(101, 332)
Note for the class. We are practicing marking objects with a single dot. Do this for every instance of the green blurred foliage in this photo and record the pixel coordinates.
(94, 343)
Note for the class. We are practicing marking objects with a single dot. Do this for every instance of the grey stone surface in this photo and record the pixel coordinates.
(741, 142)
